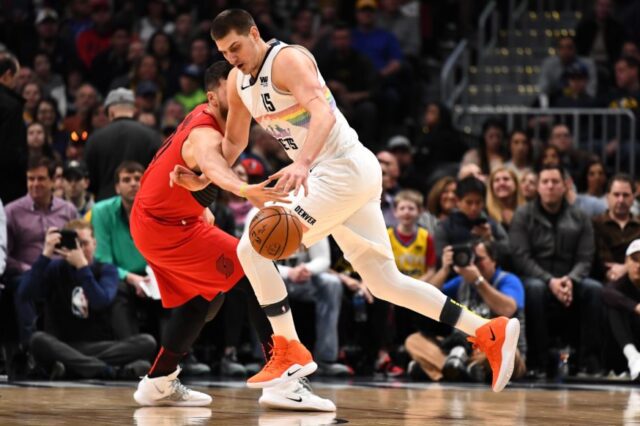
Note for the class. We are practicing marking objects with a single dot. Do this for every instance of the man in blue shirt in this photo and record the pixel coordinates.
(488, 291)
(78, 292)
(383, 50)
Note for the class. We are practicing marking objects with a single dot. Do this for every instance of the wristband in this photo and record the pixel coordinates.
(243, 188)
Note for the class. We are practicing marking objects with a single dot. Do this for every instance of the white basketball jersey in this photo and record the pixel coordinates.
(283, 117)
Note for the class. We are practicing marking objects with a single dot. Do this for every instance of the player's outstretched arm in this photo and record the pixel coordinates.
(236, 135)
(295, 72)
(206, 144)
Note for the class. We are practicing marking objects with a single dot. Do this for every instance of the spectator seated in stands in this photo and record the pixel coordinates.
(442, 352)
(600, 36)
(622, 298)
(438, 149)
(572, 159)
(191, 93)
(615, 230)
(469, 221)
(411, 176)
(352, 80)
(491, 151)
(588, 204)
(390, 173)
(503, 195)
(554, 71)
(593, 181)
(529, 185)
(384, 52)
(576, 93)
(441, 201)
(520, 152)
(75, 182)
(77, 292)
(27, 220)
(86, 98)
(412, 245)
(552, 250)
(406, 28)
(626, 95)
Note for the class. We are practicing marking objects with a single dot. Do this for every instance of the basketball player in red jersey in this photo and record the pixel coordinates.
(195, 263)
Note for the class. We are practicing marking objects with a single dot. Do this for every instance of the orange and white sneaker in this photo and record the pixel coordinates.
(289, 360)
(498, 339)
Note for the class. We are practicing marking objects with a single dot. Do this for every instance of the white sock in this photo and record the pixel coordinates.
(629, 350)
(268, 286)
(382, 277)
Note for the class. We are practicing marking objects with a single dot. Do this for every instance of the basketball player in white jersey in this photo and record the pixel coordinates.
(335, 184)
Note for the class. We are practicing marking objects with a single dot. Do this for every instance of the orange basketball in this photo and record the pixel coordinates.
(275, 233)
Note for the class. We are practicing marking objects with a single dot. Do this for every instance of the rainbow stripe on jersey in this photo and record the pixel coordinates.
(296, 114)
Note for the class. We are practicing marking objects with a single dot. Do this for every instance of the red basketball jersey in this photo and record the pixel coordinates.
(156, 197)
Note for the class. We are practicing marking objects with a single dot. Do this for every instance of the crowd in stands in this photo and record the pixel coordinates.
(529, 226)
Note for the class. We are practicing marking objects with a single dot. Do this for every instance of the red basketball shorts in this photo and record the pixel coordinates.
(188, 258)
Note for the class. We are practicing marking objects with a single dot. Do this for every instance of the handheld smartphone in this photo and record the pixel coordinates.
(68, 239)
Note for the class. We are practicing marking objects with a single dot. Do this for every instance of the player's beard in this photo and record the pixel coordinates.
(224, 110)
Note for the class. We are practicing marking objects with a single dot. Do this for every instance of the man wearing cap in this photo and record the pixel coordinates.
(191, 94)
(622, 298)
(47, 41)
(122, 139)
(575, 94)
(552, 75)
(75, 182)
(147, 99)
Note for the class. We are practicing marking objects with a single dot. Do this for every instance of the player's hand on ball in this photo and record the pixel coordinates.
(291, 178)
(259, 194)
(187, 179)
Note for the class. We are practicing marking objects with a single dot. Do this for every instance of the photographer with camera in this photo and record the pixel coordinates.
(553, 248)
(469, 221)
(487, 290)
(78, 292)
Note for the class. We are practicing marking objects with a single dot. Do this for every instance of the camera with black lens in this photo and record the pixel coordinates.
(463, 255)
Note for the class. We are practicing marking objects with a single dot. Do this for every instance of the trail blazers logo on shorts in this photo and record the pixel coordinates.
(305, 216)
(224, 265)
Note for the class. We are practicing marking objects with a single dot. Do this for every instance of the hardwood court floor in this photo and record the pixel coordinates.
(362, 404)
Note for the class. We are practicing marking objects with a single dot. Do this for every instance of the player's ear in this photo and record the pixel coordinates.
(254, 33)
(212, 98)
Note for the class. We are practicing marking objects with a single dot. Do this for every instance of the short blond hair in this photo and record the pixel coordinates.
(409, 195)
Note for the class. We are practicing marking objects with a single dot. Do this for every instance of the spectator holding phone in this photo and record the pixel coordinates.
(77, 292)
(469, 221)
